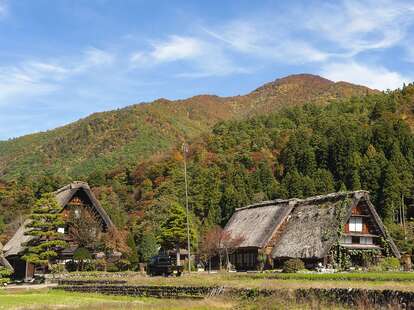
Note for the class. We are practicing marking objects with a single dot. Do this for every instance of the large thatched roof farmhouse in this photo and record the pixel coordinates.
(312, 229)
(76, 195)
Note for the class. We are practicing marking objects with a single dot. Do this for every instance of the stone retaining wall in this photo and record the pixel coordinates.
(341, 296)
(86, 282)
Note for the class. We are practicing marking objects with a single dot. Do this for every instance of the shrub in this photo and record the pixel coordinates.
(389, 264)
(123, 264)
(71, 266)
(4, 275)
(82, 254)
(89, 265)
(100, 264)
(261, 259)
(293, 265)
(111, 267)
(57, 268)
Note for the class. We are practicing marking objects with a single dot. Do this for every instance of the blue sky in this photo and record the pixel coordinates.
(61, 60)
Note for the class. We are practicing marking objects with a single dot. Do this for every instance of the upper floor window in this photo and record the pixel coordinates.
(355, 224)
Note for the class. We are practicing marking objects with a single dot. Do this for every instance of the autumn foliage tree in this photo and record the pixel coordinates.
(115, 240)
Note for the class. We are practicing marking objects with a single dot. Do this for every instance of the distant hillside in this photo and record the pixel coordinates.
(127, 136)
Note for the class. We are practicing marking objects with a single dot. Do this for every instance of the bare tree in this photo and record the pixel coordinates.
(218, 241)
(84, 228)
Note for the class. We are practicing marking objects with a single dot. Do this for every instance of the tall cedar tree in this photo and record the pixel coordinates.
(174, 229)
(44, 222)
(148, 247)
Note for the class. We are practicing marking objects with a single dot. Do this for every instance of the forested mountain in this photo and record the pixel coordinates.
(252, 148)
(124, 137)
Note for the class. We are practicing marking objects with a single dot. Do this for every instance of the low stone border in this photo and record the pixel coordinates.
(86, 282)
(341, 296)
(142, 291)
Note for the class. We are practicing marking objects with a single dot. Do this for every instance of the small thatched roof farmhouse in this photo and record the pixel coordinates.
(76, 194)
(307, 228)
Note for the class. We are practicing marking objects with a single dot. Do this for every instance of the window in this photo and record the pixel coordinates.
(347, 239)
(366, 240)
(355, 224)
(355, 240)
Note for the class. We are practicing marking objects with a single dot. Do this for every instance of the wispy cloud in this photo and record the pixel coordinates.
(34, 78)
(203, 57)
(358, 26)
(376, 77)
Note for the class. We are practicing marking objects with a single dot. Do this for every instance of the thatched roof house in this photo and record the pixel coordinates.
(76, 194)
(307, 228)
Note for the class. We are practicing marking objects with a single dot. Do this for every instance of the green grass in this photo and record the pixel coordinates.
(56, 299)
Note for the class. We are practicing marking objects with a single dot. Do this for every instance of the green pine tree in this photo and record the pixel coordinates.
(45, 220)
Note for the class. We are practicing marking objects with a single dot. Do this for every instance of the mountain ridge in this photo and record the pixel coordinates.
(135, 132)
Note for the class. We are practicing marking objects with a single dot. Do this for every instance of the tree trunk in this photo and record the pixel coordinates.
(227, 260)
(220, 261)
(178, 255)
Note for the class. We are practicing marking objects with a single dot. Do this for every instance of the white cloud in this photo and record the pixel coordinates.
(176, 48)
(357, 26)
(373, 77)
(266, 41)
(202, 56)
(31, 78)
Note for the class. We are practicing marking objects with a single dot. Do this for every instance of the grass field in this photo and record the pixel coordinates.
(391, 280)
(55, 299)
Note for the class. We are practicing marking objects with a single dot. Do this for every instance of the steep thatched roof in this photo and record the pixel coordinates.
(66, 193)
(3, 261)
(304, 228)
(256, 223)
(63, 195)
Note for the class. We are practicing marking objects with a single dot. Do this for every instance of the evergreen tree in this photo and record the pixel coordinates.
(390, 193)
(174, 229)
(148, 247)
(133, 253)
(44, 222)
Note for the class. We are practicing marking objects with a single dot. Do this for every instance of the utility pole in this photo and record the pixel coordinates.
(185, 151)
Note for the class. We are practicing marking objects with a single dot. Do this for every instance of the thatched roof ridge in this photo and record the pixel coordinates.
(63, 195)
(315, 199)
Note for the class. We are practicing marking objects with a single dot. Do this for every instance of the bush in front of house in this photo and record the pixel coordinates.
(111, 267)
(389, 264)
(123, 264)
(101, 264)
(293, 265)
(71, 266)
(4, 275)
